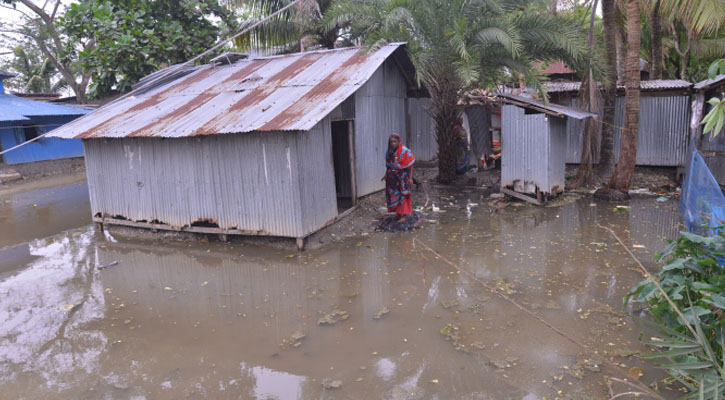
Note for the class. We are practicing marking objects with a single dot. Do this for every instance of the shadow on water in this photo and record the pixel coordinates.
(233, 321)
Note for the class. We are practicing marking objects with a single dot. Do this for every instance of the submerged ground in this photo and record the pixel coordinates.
(370, 317)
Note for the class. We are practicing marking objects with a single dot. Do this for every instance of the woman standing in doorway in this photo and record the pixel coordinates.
(398, 178)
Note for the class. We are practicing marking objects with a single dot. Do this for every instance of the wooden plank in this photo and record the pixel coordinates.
(521, 196)
(164, 227)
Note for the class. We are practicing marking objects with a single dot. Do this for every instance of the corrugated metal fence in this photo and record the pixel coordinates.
(663, 134)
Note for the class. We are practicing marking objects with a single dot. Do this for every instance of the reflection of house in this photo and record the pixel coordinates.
(23, 119)
(663, 121)
(712, 148)
(263, 146)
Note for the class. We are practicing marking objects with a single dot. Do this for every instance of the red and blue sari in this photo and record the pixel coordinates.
(397, 179)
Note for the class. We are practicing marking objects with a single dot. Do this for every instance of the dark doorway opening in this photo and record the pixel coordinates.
(343, 158)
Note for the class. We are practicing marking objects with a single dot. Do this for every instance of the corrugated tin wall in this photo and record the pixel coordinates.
(527, 150)
(316, 176)
(662, 137)
(379, 112)
(421, 138)
(243, 181)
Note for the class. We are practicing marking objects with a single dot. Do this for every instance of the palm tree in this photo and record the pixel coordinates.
(606, 155)
(294, 30)
(693, 26)
(622, 178)
(460, 44)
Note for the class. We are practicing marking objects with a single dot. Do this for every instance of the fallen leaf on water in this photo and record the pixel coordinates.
(434, 381)
(638, 246)
(635, 373)
(168, 288)
(359, 243)
(204, 283)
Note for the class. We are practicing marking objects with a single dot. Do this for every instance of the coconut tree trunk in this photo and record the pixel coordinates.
(621, 52)
(589, 96)
(656, 27)
(444, 97)
(606, 154)
(622, 177)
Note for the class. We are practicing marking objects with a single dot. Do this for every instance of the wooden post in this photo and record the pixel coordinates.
(351, 144)
(300, 243)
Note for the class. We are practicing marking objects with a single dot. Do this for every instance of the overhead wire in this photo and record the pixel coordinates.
(176, 68)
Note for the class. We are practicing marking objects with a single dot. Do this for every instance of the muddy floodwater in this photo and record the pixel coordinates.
(373, 317)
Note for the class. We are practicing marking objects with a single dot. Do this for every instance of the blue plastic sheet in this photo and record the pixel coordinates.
(702, 203)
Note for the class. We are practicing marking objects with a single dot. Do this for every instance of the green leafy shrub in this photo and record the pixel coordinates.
(693, 277)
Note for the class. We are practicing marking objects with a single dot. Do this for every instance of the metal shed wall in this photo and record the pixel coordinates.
(379, 112)
(662, 137)
(245, 181)
(533, 151)
(318, 200)
(421, 139)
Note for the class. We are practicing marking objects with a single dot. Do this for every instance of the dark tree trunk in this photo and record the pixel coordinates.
(606, 155)
(444, 97)
(588, 95)
(656, 27)
(622, 177)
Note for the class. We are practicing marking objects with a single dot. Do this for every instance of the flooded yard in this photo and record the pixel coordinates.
(378, 316)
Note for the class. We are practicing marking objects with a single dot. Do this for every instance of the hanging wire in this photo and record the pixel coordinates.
(177, 67)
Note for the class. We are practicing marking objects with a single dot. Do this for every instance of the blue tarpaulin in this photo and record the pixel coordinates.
(702, 203)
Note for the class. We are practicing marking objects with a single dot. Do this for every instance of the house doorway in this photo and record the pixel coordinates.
(343, 158)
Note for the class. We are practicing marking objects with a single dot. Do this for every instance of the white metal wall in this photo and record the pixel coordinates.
(379, 112)
(421, 138)
(533, 148)
(252, 181)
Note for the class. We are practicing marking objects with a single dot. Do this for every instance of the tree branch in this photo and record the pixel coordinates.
(48, 22)
(55, 9)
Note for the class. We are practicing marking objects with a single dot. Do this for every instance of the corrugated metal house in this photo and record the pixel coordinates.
(22, 119)
(534, 147)
(663, 121)
(274, 146)
(711, 147)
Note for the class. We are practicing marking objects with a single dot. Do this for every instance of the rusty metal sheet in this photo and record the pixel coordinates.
(279, 93)
(653, 85)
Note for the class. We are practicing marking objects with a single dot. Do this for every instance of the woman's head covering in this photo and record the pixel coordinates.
(391, 151)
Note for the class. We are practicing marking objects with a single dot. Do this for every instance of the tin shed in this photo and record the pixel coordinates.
(274, 146)
(534, 147)
(663, 121)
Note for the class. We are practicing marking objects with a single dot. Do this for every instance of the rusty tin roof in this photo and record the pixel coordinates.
(550, 109)
(278, 93)
(653, 85)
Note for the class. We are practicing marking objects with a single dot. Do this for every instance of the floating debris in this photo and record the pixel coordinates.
(384, 310)
(333, 317)
(508, 362)
(104, 266)
(330, 384)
